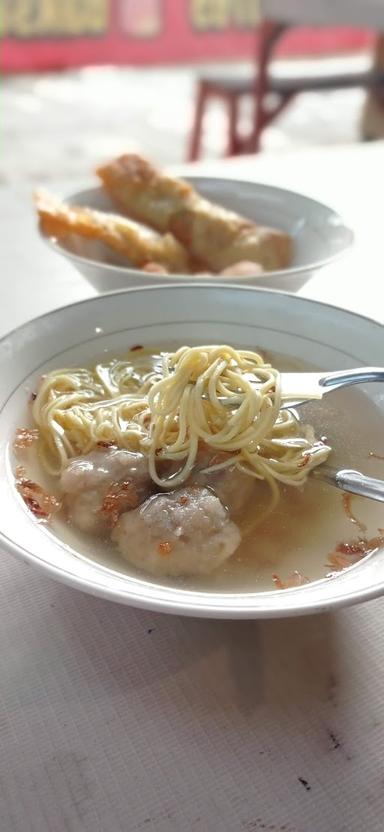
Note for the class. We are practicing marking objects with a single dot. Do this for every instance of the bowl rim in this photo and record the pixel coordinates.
(292, 271)
(184, 606)
(188, 608)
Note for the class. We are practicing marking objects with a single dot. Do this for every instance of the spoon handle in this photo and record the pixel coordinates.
(343, 378)
(352, 481)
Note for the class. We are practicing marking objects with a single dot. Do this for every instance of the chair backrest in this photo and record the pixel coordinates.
(368, 14)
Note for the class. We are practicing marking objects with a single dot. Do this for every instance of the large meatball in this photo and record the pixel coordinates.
(102, 466)
(99, 486)
(233, 487)
(84, 511)
(185, 532)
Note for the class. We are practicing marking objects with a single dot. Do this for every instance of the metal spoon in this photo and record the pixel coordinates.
(298, 388)
(314, 386)
(352, 481)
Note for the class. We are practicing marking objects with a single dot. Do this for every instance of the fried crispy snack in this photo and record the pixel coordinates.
(214, 236)
(143, 192)
(140, 245)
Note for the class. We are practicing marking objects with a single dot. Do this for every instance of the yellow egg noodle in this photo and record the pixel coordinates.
(196, 395)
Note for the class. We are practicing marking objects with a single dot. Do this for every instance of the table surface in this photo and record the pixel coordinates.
(118, 719)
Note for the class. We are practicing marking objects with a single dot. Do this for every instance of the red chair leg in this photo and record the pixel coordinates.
(270, 33)
(197, 127)
(233, 114)
(270, 115)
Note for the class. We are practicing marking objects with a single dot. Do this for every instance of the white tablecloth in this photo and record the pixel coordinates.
(116, 719)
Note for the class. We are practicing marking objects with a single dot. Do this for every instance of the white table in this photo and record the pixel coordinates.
(116, 719)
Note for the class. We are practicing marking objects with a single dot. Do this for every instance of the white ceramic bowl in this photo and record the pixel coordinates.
(327, 336)
(319, 236)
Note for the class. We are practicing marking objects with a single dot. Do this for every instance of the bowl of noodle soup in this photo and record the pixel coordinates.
(140, 462)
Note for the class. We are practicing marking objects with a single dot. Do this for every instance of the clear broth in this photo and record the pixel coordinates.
(305, 526)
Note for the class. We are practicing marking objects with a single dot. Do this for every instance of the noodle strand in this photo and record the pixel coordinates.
(215, 396)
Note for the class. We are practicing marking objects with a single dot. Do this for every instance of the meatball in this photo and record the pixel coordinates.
(99, 486)
(233, 487)
(85, 511)
(244, 268)
(182, 533)
(101, 467)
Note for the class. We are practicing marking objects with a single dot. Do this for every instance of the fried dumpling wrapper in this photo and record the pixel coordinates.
(140, 245)
(214, 236)
(143, 192)
(220, 239)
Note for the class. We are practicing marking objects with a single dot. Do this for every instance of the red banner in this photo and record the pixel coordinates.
(51, 34)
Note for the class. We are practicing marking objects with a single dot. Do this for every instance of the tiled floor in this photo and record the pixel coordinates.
(62, 124)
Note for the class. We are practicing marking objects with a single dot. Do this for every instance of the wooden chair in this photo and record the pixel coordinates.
(286, 14)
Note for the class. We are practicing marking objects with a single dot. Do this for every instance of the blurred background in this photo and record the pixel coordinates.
(183, 79)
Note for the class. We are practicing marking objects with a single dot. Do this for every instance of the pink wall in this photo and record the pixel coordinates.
(55, 34)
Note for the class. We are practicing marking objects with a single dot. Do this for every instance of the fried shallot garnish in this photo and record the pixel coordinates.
(24, 438)
(120, 497)
(40, 502)
(347, 554)
(294, 580)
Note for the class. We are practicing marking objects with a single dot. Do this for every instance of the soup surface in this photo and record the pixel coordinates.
(312, 533)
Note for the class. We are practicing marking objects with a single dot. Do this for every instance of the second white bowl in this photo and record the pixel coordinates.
(318, 232)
